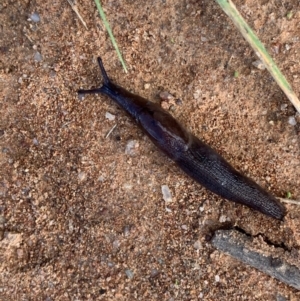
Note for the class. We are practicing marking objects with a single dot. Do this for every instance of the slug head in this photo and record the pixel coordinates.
(106, 81)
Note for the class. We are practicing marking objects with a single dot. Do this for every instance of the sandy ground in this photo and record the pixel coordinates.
(81, 218)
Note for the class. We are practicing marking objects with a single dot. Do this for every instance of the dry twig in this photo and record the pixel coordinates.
(75, 9)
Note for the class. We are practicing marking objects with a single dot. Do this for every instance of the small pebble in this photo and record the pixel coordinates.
(52, 74)
(168, 101)
(101, 179)
(165, 105)
(129, 273)
(20, 253)
(35, 17)
(217, 278)
(283, 106)
(81, 176)
(178, 101)
(172, 108)
(197, 94)
(276, 48)
(126, 230)
(222, 218)
(2, 220)
(38, 57)
(167, 196)
(80, 96)
(292, 121)
(259, 65)
(130, 147)
(197, 245)
(154, 273)
(184, 227)
(146, 86)
(110, 264)
(166, 96)
(35, 141)
(110, 116)
(116, 244)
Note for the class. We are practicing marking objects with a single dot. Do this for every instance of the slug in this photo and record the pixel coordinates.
(193, 156)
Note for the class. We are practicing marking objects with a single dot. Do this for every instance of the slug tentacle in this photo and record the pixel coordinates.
(106, 82)
(194, 157)
(103, 72)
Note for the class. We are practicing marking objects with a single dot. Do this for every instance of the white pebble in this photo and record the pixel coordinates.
(101, 179)
(38, 57)
(35, 17)
(131, 146)
(110, 116)
(217, 278)
(166, 95)
(126, 230)
(167, 196)
(292, 120)
(259, 65)
(222, 218)
(184, 227)
(197, 94)
(116, 244)
(81, 176)
(197, 245)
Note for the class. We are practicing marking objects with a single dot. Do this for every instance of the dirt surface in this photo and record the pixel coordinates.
(81, 218)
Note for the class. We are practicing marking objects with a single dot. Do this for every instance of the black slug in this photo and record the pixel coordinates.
(193, 156)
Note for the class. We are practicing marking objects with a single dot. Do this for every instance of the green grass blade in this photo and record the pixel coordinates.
(106, 24)
(232, 12)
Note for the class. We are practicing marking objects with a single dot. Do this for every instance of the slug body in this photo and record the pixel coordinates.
(194, 157)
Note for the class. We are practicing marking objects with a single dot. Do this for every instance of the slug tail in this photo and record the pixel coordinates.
(106, 82)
